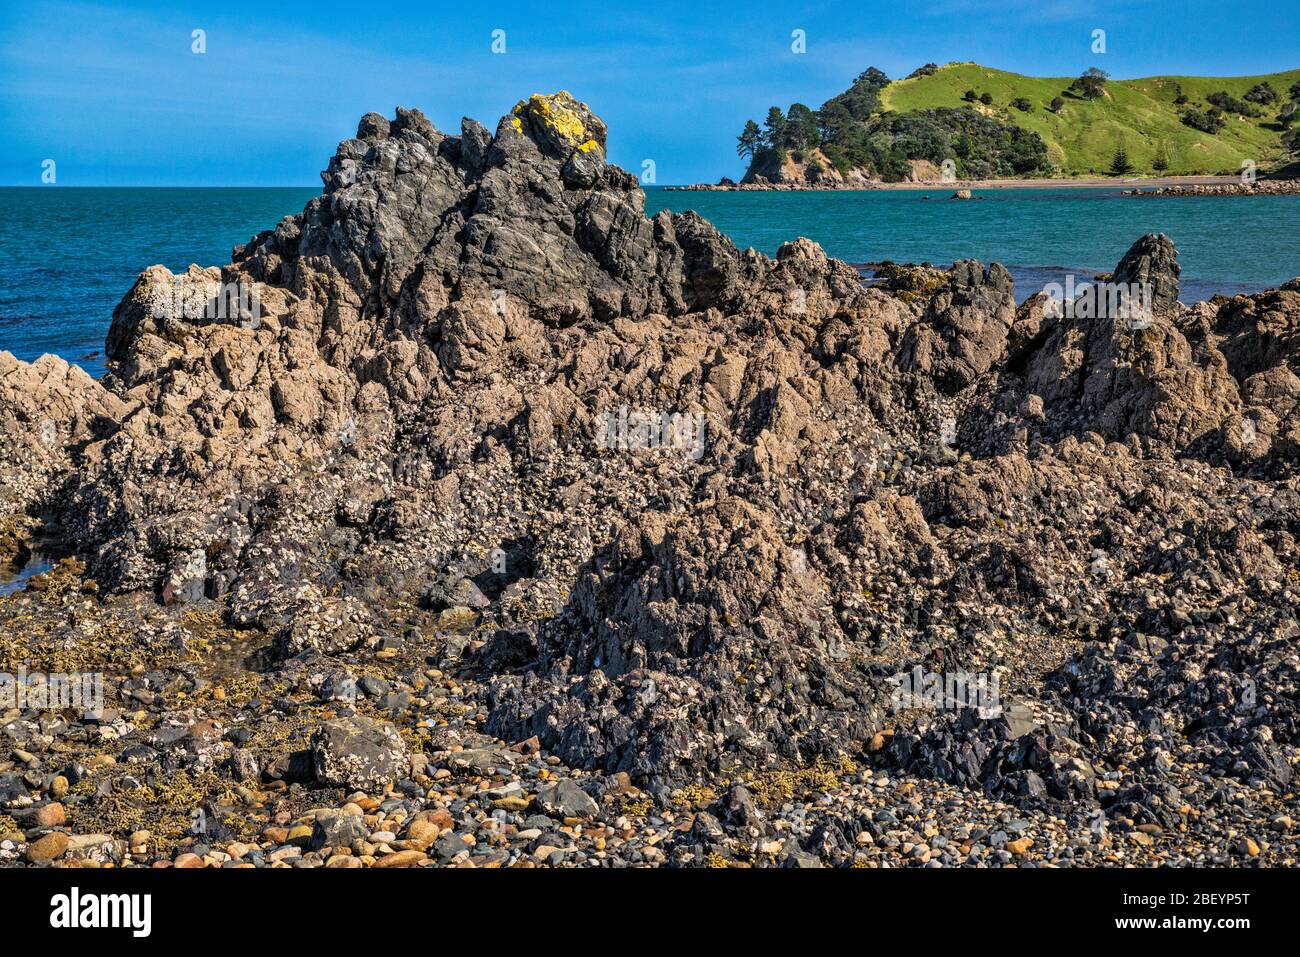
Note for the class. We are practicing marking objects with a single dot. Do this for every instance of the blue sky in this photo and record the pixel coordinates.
(114, 94)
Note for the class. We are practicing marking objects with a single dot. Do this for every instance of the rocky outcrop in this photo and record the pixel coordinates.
(1262, 187)
(809, 169)
(1155, 372)
(964, 329)
(47, 409)
(696, 631)
(680, 508)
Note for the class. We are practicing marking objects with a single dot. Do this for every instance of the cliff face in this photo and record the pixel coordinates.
(415, 417)
(813, 168)
(815, 171)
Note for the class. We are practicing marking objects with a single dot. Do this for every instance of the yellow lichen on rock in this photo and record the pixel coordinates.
(556, 113)
(561, 114)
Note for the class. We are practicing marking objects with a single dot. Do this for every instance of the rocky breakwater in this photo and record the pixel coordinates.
(513, 527)
(763, 185)
(1262, 187)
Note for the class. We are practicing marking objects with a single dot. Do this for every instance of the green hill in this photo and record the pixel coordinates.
(1142, 114)
(994, 124)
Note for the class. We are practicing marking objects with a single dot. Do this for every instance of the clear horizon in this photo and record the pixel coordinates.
(116, 96)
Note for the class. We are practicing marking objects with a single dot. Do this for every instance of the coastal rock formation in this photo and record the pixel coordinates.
(473, 446)
(1261, 187)
(810, 169)
(964, 329)
(46, 408)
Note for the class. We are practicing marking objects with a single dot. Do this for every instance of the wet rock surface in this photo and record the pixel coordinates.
(515, 528)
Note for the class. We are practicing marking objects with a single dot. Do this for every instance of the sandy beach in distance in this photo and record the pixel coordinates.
(1129, 182)
(1126, 182)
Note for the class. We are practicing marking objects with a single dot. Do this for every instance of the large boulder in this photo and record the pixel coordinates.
(964, 329)
(1116, 372)
(358, 753)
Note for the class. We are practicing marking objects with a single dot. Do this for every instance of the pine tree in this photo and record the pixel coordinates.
(1161, 161)
(748, 141)
(1120, 165)
(774, 126)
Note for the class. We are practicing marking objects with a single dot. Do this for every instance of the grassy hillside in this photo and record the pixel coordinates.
(1082, 138)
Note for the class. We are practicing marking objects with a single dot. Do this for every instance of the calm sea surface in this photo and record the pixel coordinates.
(67, 256)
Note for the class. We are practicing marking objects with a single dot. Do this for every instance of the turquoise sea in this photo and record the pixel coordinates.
(67, 256)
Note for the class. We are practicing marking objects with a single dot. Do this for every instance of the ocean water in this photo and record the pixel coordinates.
(67, 256)
(1226, 244)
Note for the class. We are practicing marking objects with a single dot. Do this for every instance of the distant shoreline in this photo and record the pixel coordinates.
(1119, 182)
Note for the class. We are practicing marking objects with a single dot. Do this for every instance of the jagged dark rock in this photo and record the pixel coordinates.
(402, 460)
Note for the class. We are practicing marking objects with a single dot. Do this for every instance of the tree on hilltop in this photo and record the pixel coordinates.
(749, 141)
(1091, 84)
(801, 127)
(862, 98)
(775, 126)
